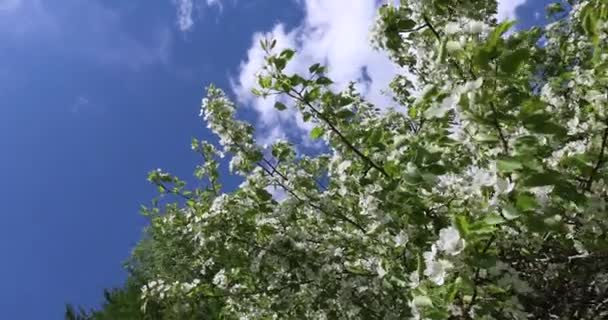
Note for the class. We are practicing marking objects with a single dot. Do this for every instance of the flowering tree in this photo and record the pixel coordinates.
(483, 196)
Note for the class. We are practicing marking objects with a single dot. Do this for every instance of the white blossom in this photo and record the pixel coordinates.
(453, 46)
(439, 111)
(452, 28)
(220, 279)
(401, 239)
(414, 279)
(476, 27)
(380, 270)
(450, 241)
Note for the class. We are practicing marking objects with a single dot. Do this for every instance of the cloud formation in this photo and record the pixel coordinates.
(334, 36)
(186, 11)
(506, 9)
(184, 14)
(330, 35)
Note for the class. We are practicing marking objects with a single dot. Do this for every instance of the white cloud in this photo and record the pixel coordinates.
(278, 193)
(80, 104)
(331, 35)
(334, 33)
(506, 9)
(247, 80)
(217, 3)
(19, 19)
(186, 11)
(184, 14)
(84, 106)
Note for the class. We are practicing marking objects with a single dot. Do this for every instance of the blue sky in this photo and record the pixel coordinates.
(94, 94)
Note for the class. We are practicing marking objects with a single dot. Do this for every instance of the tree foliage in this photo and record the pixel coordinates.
(120, 303)
(482, 196)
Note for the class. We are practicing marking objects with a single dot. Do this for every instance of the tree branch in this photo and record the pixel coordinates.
(427, 22)
(310, 203)
(503, 140)
(476, 279)
(290, 191)
(599, 163)
(335, 130)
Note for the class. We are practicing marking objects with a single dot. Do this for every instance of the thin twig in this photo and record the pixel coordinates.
(428, 24)
(310, 203)
(599, 163)
(335, 130)
(476, 278)
(503, 140)
(173, 192)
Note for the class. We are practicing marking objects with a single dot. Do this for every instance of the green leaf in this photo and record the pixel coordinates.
(512, 61)
(554, 8)
(482, 58)
(314, 68)
(542, 179)
(482, 227)
(344, 101)
(497, 33)
(462, 225)
(436, 169)
(296, 80)
(412, 111)
(306, 116)
(280, 106)
(508, 164)
(422, 301)
(540, 123)
(589, 21)
(344, 113)
(324, 81)
(312, 95)
(536, 223)
(391, 168)
(287, 54)
(429, 178)
(510, 212)
(280, 63)
(194, 144)
(263, 194)
(532, 106)
(265, 81)
(486, 261)
(494, 219)
(375, 136)
(316, 133)
(453, 289)
(256, 156)
(406, 24)
(525, 202)
(569, 192)
(285, 85)
(443, 52)
(526, 144)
